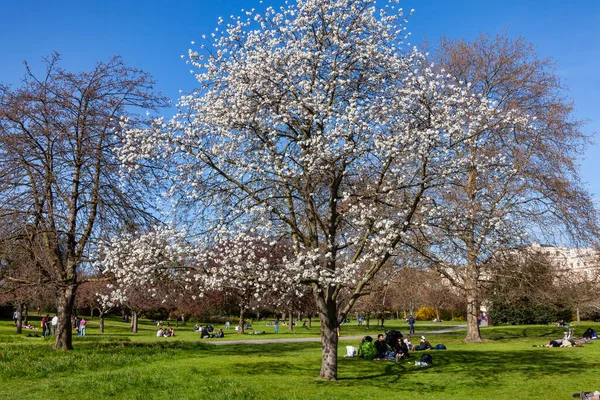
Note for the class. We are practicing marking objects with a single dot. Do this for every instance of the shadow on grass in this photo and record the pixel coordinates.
(479, 367)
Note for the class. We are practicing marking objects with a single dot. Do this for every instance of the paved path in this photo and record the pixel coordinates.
(318, 339)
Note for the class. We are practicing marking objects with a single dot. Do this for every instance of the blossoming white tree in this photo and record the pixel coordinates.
(317, 123)
(240, 263)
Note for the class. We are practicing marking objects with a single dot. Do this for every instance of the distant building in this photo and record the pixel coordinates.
(584, 262)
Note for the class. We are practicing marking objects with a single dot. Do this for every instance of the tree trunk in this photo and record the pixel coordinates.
(473, 333)
(134, 322)
(309, 322)
(19, 318)
(101, 322)
(183, 319)
(66, 301)
(291, 321)
(25, 314)
(329, 341)
(91, 312)
(578, 317)
(283, 316)
(241, 326)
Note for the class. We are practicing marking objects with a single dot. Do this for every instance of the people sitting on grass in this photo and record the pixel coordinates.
(590, 334)
(423, 345)
(367, 349)
(220, 333)
(381, 346)
(204, 332)
(160, 333)
(408, 343)
(196, 328)
(401, 350)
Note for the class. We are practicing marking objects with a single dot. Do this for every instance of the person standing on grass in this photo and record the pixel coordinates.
(276, 325)
(82, 325)
(55, 324)
(411, 323)
(228, 324)
(15, 317)
(44, 326)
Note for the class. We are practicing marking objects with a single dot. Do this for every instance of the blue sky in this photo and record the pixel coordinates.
(152, 35)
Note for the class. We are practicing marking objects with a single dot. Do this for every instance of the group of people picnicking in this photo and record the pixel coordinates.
(569, 340)
(208, 331)
(391, 346)
(165, 332)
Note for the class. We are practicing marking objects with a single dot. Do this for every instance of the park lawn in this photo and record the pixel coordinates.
(114, 327)
(506, 366)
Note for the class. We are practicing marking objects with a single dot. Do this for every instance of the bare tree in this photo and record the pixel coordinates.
(516, 182)
(59, 173)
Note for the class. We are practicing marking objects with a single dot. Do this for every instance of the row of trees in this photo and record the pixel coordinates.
(318, 152)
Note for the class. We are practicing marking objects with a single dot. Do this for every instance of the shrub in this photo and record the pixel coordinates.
(526, 313)
(425, 314)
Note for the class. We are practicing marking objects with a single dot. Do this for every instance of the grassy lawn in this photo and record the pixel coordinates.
(125, 366)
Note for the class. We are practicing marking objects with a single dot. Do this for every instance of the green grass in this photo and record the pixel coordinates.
(124, 366)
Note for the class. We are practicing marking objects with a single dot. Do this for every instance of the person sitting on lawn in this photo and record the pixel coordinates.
(424, 344)
(366, 349)
(196, 328)
(401, 350)
(171, 332)
(204, 333)
(220, 333)
(408, 343)
(590, 334)
(160, 333)
(381, 346)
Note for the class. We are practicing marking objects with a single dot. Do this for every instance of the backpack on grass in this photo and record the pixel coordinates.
(426, 358)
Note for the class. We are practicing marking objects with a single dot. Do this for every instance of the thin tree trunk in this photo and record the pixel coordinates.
(241, 326)
(309, 322)
(19, 318)
(291, 321)
(134, 322)
(183, 319)
(25, 314)
(101, 322)
(578, 317)
(92, 313)
(66, 301)
(472, 273)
